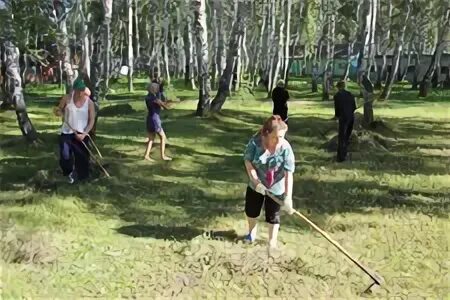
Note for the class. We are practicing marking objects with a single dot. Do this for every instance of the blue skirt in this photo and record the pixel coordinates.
(154, 123)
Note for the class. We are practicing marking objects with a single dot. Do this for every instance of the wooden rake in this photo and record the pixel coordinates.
(377, 279)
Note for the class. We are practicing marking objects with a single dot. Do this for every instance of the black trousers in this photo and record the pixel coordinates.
(254, 202)
(345, 131)
(283, 113)
(73, 156)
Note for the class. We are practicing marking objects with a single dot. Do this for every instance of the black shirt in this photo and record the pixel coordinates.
(280, 97)
(367, 84)
(344, 104)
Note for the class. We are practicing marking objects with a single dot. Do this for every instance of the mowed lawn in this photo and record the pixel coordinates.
(173, 229)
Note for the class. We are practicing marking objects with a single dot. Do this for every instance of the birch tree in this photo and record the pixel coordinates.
(13, 81)
(130, 45)
(62, 10)
(106, 44)
(397, 52)
(236, 35)
(201, 30)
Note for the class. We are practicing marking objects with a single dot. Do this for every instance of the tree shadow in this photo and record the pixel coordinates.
(184, 233)
(209, 182)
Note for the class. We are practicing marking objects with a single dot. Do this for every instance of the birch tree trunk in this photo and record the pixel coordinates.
(181, 62)
(238, 64)
(202, 57)
(130, 45)
(349, 59)
(417, 64)
(165, 38)
(272, 48)
(190, 48)
(12, 80)
(397, 54)
(236, 34)
(63, 44)
(215, 26)
(287, 13)
(106, 46)
(259, 63)
(136, 26)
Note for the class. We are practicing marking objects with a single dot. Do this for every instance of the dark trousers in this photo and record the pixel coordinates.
(254, 202)
(282, 113)
(73, 156)
(345, 131)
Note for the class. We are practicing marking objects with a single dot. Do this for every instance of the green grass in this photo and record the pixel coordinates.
(165, 229)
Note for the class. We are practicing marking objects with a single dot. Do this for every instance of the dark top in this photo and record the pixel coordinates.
(367, 84)
(344, 104)
(152, 106)
(280, 97)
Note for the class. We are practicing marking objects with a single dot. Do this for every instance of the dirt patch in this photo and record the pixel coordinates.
(116, 110)
(360, 141)
(26, 247)
(376, 137)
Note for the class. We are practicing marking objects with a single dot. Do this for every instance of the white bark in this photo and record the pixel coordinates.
(203, 57)
(165, 37)
(288, 39)
(130, 45)
(13, 81)
(190, 48)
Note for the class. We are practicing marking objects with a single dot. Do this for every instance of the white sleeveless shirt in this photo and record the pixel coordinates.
(77, 118)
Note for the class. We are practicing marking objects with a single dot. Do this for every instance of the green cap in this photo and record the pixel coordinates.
(79, 85)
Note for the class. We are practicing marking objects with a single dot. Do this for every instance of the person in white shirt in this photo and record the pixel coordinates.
(78, 114)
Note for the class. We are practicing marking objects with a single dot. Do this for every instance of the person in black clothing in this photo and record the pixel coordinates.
(344, 106)
(280, 96)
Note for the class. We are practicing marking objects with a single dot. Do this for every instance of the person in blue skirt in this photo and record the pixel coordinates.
(154, 104)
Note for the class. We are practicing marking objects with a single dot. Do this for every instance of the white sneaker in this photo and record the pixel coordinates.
(71, 178)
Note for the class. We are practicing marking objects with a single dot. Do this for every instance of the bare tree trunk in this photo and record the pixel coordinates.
(236, 35)
(63, 45)
(397, 54)
(259, 64)
(136, 26)
(287, 13)
(165, 37)
(106, 46)
(181, 62)
(272, 48)
(245, 57)
(86, 45)
(215, 19)
(190, 74)
(203, 57)
(349, 59)
(408, 60)
(13, 81)
(415, 82)
(130, 45)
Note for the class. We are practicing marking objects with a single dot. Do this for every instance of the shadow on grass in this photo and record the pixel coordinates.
(161, 198)
(160, 232)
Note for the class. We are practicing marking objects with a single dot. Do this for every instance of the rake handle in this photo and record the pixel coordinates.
(95, 158)
(90, 152)
(375, 277)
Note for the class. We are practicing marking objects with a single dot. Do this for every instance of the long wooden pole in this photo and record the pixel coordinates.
(375, 277)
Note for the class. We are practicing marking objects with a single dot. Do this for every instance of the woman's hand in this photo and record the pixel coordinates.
(287, 205)
(80, 136)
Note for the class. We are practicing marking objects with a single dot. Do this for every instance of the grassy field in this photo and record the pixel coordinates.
(172, 229)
